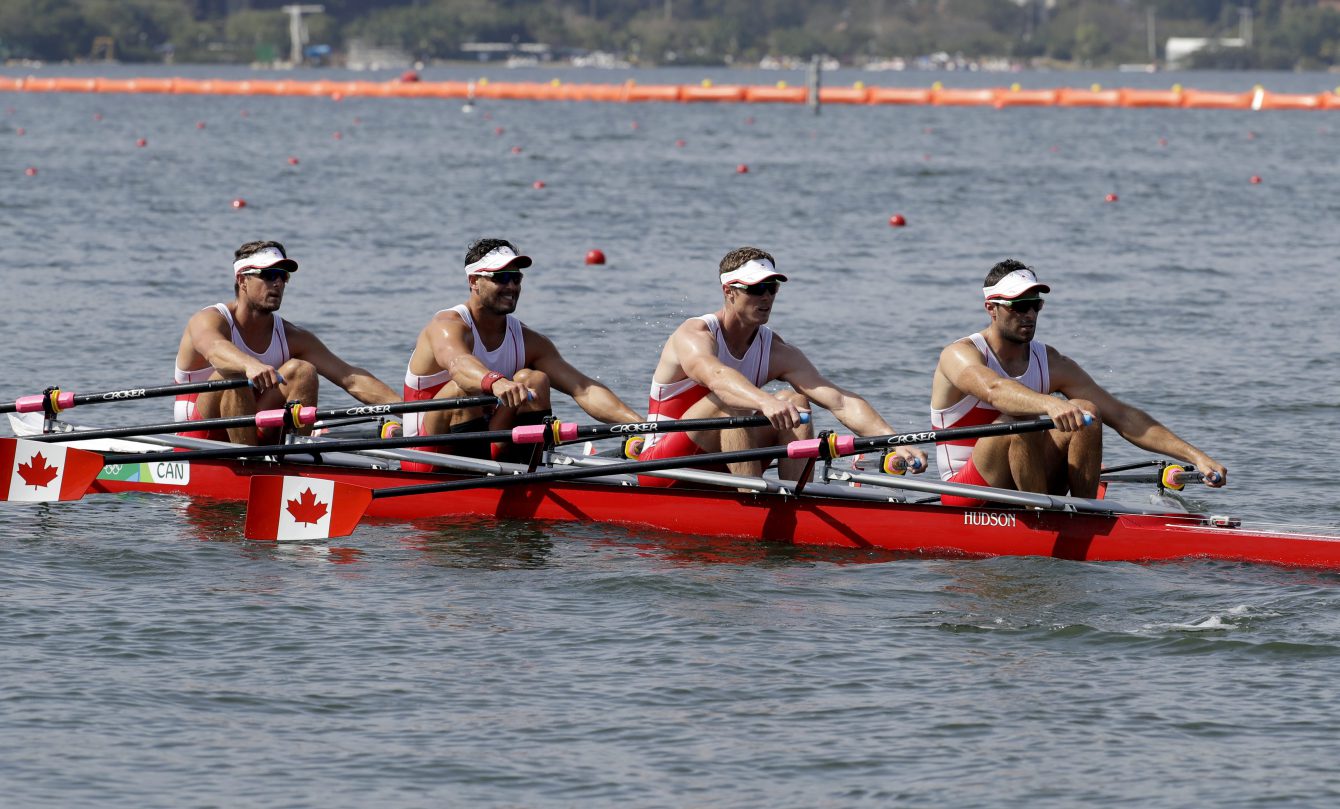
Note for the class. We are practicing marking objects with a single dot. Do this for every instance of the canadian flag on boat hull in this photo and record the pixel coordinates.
(37, 472)
(292, 508)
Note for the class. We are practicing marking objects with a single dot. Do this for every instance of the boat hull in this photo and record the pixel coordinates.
(926, 529)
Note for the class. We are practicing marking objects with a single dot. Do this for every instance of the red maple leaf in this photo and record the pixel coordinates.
(37, 473)
(305, 509)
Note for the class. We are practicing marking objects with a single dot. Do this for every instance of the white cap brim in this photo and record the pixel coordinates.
(264, 259)
(499, 258)
(752, 272)
(1014, 285)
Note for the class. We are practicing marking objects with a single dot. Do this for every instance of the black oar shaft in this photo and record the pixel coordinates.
(65, 401)
(248, 421)
(736, 456)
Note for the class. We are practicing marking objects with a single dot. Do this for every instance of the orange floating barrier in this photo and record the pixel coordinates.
(1075, 97)
(980, 97)
(1329, 101)
(1025, 98)
(899, 95)
(1210, 100)
(149, 85)
(1288, 101)
(655, 92)
(35, 84)
(760, 94)
(606, 92)
(73, 85)
(188, 87)
(11, 84)
(844, 95)
(724, 93)
(1150, 98)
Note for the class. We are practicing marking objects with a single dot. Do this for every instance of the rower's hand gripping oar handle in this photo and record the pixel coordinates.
(562, 432)
(53, 400)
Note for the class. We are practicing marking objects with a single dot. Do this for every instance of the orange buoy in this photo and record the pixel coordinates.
(742, 169)
(538, 184)
(142, 142)
(337, 96)
(199, 124)
(409, 76)
(516, 150)
(239, 203)
(897, 221)
(1110, 198)
(31, 171)
(1256, 179)
(681, 143)
(595, 257)
(97, 116)
(293, 161)
(1163, 141)
(636, 125)
(497, 130)
(338, 136)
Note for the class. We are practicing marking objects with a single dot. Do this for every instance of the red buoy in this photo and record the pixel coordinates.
(20, 131)
(681, 143)
(516, 150)
(293, 161)
(1110, 198)
(1163, 141)
(497, 130)
(635, 125)
(239, 203)
(538, 184)
(199, 124)
(595, 257)
(338, 136)
(897, 221)
(409, 76)
(337, 96)
(142, 142)
(31, 171)
(742, 169)
(1256, 179)
(97, 116)
(749, 121)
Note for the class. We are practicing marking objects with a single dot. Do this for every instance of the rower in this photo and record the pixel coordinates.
(218, 340)
(716, 365)
(1002, 373)
(480, 347)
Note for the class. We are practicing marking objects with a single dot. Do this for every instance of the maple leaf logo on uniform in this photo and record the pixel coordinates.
(37, 473)
(306, 509)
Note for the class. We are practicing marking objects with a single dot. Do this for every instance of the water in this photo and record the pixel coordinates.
(151, 657)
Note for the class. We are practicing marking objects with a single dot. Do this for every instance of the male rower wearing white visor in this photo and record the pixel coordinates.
(1003, 373)
(716, 365)
(479, 347)
(246, 338)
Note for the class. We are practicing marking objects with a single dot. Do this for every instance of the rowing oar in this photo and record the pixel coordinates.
(285, 508)
(290, 417)
(55, 400)
(65, 473)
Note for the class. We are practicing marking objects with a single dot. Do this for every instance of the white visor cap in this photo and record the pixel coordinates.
(263, 259)
(751, 272)
(499, 258)
(1014, 285)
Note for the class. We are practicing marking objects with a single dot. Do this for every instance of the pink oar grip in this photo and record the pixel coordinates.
(270, 418)
(30, 404)
(529, 434)
(809, 448)
(307, 415)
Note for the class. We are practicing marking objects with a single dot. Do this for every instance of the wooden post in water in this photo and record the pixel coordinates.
(812, 82)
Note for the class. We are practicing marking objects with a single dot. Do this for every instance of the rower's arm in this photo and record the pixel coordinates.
(962, 367)
(1131, 423)
(359, 383)
(212, 339)
(696, 351)
(447, 338)
(598, 401)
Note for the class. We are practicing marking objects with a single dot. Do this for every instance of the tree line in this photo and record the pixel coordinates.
(1286, 34)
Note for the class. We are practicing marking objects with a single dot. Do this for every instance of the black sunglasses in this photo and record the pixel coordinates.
(505, 277)
(269, 275)
(761, 288)
(1021, 305)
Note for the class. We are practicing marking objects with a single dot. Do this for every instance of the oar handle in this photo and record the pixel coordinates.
(56, 400)
(562, 432)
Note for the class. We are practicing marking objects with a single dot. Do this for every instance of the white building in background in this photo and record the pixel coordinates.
(1178, 49)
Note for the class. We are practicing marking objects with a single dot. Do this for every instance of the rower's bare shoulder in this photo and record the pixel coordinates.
(537, 343)
(961, 352)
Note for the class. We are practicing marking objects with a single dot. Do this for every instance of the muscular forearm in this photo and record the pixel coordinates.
(368, 389)
(1014, 399)
(599, 402)
(734, 390)
(1142, 430)
(857, 415)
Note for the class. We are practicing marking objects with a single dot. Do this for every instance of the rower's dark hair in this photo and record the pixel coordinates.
(250, 249)
(741, 256)
(481, 248)
(1003, 269)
